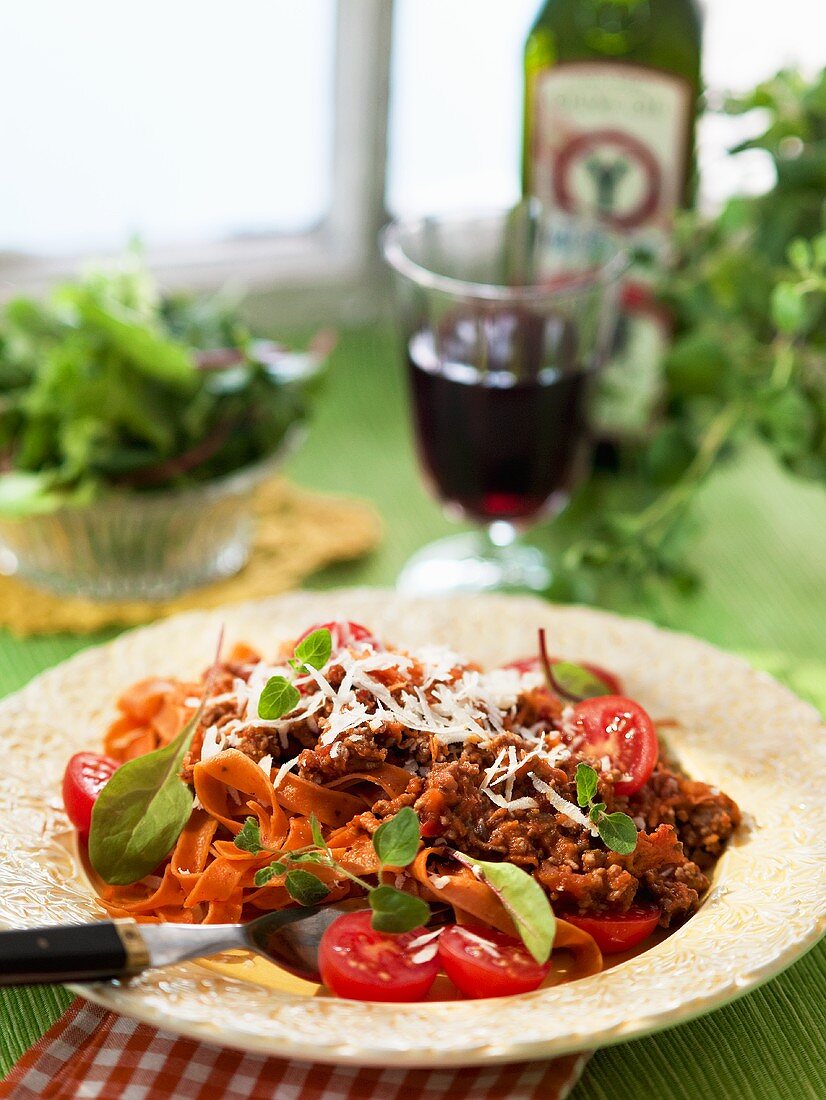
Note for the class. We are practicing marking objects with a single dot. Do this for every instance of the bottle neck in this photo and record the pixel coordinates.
(613, 26)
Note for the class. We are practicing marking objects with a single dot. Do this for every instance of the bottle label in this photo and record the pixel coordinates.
(610, 140)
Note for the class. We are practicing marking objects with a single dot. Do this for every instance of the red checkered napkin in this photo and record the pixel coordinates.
(93, 1053)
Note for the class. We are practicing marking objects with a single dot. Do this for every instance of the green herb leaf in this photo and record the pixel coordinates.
(525, 901)
(278, 698)
(140, 813)
(266, 874)
(308, 857)
(315, 649)
(587, 781)
(249, 839)
(788, 307)
(575, 682)
(305, 888)
(318, 835)
(596, 811)
(397, 841)
(618, 832)
(396, 911)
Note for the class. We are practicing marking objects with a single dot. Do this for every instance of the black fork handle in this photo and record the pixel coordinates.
(77, 953)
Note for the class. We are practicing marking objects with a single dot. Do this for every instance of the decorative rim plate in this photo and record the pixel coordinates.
(737, 728)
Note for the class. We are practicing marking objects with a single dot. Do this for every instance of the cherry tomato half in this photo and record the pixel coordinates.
(615, 932)
(619, 728)
(483, 962)
(532, 664)
(361, 964)
(344, 634)
(87, 773)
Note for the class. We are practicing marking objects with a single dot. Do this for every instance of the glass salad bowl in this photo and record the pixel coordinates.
(140, 546)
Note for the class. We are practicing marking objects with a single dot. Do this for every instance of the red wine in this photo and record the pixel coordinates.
(505, 442)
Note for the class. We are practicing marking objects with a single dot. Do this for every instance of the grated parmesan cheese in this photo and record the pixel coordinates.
(562, 805)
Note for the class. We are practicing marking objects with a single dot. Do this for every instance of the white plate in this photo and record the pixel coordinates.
(737, 728)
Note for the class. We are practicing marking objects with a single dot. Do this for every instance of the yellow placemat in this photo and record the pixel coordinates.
(298, 532)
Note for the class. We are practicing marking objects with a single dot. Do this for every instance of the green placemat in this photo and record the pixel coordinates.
(762, 555)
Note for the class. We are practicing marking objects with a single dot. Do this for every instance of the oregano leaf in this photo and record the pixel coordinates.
(278, 698)
(305, 888)
(396, 841)
(315, 650)
(618, 832)
(587, 782)
(249, 839)
(396, 911)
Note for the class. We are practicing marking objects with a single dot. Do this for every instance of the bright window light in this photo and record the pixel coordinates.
(182, 122)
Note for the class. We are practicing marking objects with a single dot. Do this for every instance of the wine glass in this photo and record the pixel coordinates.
(505, 320)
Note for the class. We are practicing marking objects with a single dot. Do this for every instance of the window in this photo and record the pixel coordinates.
(248, 143)
(237, 142)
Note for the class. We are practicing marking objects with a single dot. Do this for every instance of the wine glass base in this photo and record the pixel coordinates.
(472, 563)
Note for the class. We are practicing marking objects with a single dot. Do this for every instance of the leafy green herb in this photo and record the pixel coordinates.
(617, 831)
(569, 680)
(140, 813)
(746, 296)
(396, 841)
(587, 781)
(249, 839)
(318, 836)
(574, 682)
(396, 911)
(305, 888)
(278, 698)
(525, 901)
(315, 649)
(266, 874)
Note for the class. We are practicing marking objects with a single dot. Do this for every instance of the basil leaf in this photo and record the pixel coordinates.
(618, 832)
(396, 841)
(140, 813)
(396, 911)
(587, 781)
(318, 836)
(315, 650)
(575, 682)
(305, 888)
(278, 698)
(525, 901)
(249, 839)
(262, 877)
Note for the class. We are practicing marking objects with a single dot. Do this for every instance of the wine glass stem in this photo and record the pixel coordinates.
(501, 534)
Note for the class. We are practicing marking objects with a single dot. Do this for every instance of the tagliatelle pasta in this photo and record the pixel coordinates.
(489, 762)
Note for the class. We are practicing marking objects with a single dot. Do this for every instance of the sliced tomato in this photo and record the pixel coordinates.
(87, 773)
(483, 962)
(532, 664)
(361, 964)
(615, 932)
(344, 634)
(619, 728)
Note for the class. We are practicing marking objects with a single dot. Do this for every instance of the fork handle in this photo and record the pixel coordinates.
(62, 953)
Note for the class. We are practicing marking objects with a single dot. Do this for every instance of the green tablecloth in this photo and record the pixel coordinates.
(763, 556)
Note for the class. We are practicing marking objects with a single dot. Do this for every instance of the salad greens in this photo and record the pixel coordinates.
(101, 387)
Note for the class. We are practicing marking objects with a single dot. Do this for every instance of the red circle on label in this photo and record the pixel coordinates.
(578, 147)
